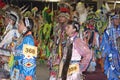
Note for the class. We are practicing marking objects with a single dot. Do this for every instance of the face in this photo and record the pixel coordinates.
(62, 19)
(116, 21)
(6, 21)
(21, 26)
(70, 30)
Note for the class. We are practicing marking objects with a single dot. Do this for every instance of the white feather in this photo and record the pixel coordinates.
(107, 6)
(115, 4)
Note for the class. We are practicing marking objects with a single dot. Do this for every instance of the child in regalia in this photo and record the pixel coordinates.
(76, 57)
(25, 64)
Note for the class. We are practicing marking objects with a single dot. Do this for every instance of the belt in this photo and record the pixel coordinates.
(72, 61)
(75, 61)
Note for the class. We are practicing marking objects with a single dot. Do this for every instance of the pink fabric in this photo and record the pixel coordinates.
(85, 53)
(75, 54)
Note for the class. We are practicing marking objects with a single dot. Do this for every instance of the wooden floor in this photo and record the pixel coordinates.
(97, 75)
(42, 73)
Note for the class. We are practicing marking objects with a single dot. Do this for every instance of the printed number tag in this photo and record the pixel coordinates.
(15, 74)
(29, 50)
(73, 68)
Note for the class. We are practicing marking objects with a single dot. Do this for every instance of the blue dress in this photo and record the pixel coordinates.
(110, 53)
(24, 66)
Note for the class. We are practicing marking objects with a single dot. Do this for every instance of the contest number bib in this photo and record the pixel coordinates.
(29, 51)
(73, 68)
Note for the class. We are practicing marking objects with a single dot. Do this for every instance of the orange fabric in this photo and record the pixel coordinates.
(29, 33)
(28, 78)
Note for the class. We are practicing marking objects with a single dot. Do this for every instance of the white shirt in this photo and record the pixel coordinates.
(8, 37)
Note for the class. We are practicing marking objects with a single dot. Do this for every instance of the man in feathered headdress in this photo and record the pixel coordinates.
(63, 17)
(59, 37)
(11, 34)
(10, 21)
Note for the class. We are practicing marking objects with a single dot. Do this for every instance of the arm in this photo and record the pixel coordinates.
(8, 37)
(85, 52)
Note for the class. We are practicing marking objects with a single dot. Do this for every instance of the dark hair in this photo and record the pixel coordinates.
(67, 62)
(28, 23)
(75, 25)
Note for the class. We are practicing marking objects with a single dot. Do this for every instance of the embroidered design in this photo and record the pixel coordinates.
(28, 64)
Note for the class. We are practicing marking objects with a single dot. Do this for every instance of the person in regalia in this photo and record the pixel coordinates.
(76, 57)
(59, 39)
(24, 67)
(10, 21)
(110, 50)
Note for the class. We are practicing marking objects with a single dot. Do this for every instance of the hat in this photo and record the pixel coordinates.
(116, 16)
(67, 15)
(13, 13)
(64, 10)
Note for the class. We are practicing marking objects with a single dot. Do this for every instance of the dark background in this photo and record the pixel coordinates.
(42, 4)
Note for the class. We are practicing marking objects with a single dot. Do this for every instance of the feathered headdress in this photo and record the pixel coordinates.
(80, 7)
(13, 12)
(64, 10)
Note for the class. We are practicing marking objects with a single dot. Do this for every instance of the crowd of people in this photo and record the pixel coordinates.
(71, 41)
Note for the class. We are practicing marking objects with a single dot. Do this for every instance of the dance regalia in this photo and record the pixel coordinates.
(7, 43)
(23, 65)
(81, 56)
(110, 53)
(57, 52)
(11, 31)
(92, 39)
